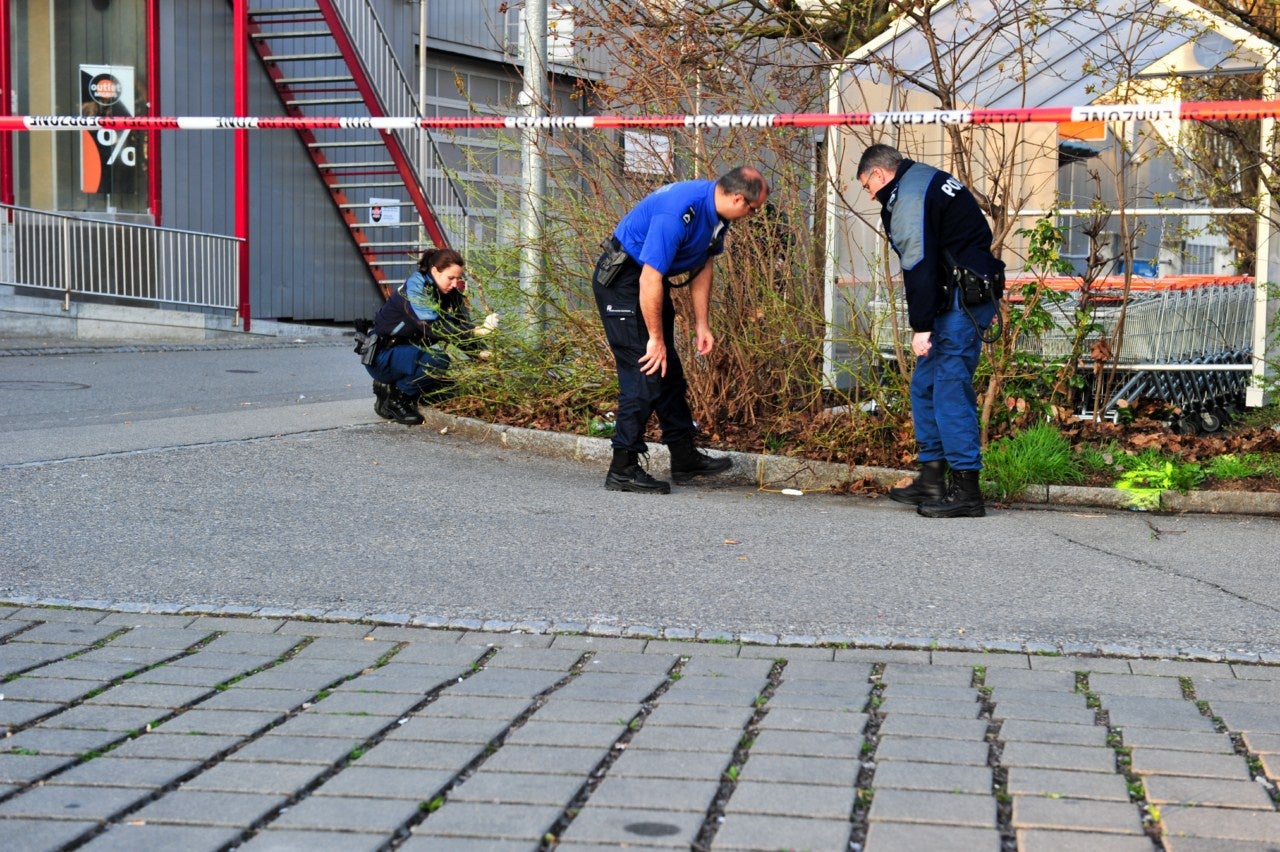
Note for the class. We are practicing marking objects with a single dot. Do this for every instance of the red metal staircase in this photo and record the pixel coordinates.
(332, 58)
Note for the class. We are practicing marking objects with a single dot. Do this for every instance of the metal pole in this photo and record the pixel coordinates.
(421, 169)
(533, 98)
(240, 82)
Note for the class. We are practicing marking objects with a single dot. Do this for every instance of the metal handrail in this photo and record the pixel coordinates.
(75, 254)
(365, 29)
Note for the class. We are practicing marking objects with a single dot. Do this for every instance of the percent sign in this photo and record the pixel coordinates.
(116, 141)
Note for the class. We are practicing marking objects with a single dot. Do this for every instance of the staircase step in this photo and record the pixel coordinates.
(301, 102)
(300, 57)
(365, 144)
(382, 165)
(360, 205)
(279, 13)
(298, 81)
(274, 34)
(340, 187)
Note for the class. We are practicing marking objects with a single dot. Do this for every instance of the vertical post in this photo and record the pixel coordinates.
(421, 169)
(153, 108)
(1254, 395)
(831, 200)
(240, 83)
(534, 99)
(6, 95)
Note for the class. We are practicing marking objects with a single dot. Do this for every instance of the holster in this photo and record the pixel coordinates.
(611, 261)
(975, 287)
(367, 341)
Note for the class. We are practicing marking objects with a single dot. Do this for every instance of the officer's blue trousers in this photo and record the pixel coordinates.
(410, 369)
(640, 396)
(944, 407)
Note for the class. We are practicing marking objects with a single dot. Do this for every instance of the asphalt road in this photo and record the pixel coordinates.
(260, 477)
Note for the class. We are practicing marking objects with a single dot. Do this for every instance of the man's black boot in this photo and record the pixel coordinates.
(402, 409)
(687, 462)
(626, 474)
(929, 486)
(963, 500)
(381, 392)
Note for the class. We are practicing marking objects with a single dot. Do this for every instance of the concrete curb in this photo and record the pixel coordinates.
(776, 472)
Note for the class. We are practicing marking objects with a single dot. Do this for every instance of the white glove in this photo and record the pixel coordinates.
(490, 323)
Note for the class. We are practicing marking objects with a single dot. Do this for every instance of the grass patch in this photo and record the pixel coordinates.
(1036, 455)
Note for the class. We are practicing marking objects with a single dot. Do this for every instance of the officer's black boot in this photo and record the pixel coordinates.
(381, 391)
(687, 462)
(963, 500)
(626, 474)
(930, 485)
(402, 409)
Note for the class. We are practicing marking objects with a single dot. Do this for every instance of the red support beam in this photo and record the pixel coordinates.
(153, 108)
(6, 94)
(240, 85)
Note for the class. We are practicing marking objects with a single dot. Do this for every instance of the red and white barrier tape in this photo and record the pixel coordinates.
(1201, 111)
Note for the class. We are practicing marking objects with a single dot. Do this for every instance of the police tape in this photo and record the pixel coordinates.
(1177, 110)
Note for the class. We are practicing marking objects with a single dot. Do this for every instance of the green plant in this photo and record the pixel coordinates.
(1230, 466)
(1150, 474)
(1039, 454)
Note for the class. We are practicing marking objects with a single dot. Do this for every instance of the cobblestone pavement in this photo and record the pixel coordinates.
(141, 731)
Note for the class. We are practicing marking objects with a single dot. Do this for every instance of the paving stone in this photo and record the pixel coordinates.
(55, 741)
(1058, 756)
(449, 730)
(904, 673)
(347, 813)
(885, 655)
(547, 659)
(891, 805)
(103, 718)
(721, 667)
(938, 777)
(806, 719)
(525, 788)
(807, 743)
(930, 750)
(709, 691)
(307, 724)
(624, 663)
(688, 765)
(702, 716)
(1270, 766)
(278, 701)
(386, 782)
(112, 771)
(425, 755)
(138, 658)
(291, 840)
(677, 738)
(1206, 844)
(425, 649)
(633, 826)
(686, 648)
(206, 678)
(1151, 761)
(302, 679)
(1076, 815)
(506, 821)
(927, 707)
(1231, 689)
(49, 802)
(1247, 716)
(417, 843)
(166, 696)
(44, 689)
(1224, 823)
(914, 837)
(77, 633)
(1109, 685)
(1061, 712)
(1255, 672)
(989, 661)
(941, 693)
(331, 629)
(804, 683)
(22, 768)
(658, 794)
(1107, 786)
(205, 807)
(261, 777)
(791, 653)
(98, 673)
(472, 707)
(820, 701)
(813, 801)
(352, 703)
(1167, 789)
(1070, 663)
(237, 722)
(15, 714)
(1048, 681)
(801, 770)
(536, 732)
(210, 659)
(562, 760)
(274, 646)
(1030, 730)
(1016, 695)
(748, 831)
(131, 838)
(1045, 840)
(281, 748)
(609, 643)
(1173, 740)
(1168, 713)
(39, 835)
(1180, 668)
(1256, 741)
(905, 724)
(558, 709)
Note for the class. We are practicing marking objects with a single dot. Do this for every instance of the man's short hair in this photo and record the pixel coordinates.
(744, 181)
(879, 157)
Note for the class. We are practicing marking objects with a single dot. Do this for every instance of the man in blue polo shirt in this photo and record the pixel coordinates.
(677, 230)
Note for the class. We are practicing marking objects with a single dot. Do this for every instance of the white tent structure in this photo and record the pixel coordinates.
(996, 54)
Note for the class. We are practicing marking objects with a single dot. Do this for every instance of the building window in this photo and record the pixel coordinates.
(80, 57)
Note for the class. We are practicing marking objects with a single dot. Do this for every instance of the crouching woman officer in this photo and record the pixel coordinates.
(413, 327)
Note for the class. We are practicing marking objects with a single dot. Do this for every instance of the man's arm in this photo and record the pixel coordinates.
(654, 359)
(700, 293)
